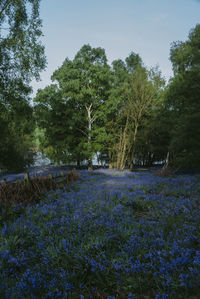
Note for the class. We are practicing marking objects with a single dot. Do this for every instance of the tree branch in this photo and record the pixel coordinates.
(4, 7)
(93, 119)
(82, 132)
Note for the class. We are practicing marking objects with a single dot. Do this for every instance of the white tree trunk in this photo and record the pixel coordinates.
(90, 122)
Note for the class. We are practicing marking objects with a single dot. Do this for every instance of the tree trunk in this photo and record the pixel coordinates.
(131, 164)
(90, 164)
(166, 162)
(122, 155)
(90, 122)
(132, 150)
(89, 144)
(78, 163)
(112, 159)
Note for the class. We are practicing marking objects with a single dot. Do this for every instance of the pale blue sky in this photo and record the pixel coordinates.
(147, 27)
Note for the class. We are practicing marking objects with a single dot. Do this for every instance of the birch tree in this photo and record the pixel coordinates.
(84, 85)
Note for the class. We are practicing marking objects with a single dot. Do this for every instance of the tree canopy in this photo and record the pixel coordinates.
(21, 59)
(123, 113)
(183, 101)
(80, 90)
(100, 109)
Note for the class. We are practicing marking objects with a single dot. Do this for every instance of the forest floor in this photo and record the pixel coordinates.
(114, 235)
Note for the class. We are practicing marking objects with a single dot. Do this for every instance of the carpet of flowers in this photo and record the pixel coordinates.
(114, 235)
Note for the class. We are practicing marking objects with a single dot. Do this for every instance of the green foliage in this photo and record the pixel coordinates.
(20, 29)
(92, 108)
(153, 135)
(70, 111)
(135, 97)
(16, 125)
(21, 59)
(10, 213)
(183, 100)
(123, 113)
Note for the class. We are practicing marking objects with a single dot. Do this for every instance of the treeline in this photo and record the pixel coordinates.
(92, 107)
(124, 112)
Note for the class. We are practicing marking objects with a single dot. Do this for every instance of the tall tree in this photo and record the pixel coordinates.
(183, 101)
(83, 84)
(22, 54)
(143, 94)
(21, 59)
(135, 91)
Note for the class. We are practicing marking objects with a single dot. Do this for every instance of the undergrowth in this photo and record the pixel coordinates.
(103, 241)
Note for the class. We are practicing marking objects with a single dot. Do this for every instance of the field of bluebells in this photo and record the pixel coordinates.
(114, 235)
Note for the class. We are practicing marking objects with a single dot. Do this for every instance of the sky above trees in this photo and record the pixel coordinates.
(147, 27)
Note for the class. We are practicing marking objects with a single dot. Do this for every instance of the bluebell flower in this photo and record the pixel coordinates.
(131, 296)
(94, 229)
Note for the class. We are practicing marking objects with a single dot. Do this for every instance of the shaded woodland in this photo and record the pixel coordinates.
(125, 113)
